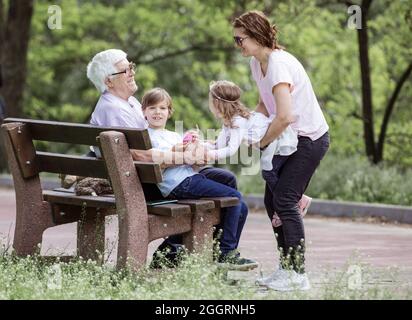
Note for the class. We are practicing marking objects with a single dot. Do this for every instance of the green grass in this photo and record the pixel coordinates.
(195, 278)
(349, 179)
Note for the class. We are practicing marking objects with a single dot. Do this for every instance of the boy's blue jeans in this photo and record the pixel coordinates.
(232, 219)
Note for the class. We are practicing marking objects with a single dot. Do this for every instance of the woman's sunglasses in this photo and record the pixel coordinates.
(239, 40)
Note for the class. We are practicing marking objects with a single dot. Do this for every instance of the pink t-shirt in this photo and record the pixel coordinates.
(285, 68)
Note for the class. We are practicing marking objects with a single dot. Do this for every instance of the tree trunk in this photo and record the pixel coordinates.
(14, 40)
(14, 55)
(367, 106)
(389, 109)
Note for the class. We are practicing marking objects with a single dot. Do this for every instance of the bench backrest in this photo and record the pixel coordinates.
(31, 162)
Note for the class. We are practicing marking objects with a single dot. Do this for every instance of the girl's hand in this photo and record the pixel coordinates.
(179, 147)
(194, 133)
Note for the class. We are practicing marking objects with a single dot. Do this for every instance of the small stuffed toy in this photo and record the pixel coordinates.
(93, 187)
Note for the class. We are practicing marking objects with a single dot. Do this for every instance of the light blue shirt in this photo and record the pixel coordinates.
(112, 111)
(164, 140)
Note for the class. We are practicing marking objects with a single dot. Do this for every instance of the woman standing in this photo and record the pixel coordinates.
(285, 91)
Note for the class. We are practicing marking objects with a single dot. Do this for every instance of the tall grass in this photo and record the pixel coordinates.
(350, 179)
(195, 278)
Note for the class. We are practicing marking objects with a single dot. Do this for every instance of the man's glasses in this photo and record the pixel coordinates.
(239, 40)
(132, 67)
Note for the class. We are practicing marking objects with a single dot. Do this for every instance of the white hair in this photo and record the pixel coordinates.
(102, 66)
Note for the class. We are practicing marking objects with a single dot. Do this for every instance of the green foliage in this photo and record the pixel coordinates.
(182, 45)
(350, 179)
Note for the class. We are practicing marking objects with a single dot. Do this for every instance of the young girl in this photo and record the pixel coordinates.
(182, 182)
(242, 125)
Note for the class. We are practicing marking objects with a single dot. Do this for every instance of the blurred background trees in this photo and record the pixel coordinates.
(182, 45)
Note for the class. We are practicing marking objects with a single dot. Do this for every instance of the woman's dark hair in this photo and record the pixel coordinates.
(258, 27)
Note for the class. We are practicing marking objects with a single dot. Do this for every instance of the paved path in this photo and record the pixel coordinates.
(331, 242)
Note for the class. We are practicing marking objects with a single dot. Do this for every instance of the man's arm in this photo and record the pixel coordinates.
(284, 116)
(168, 158)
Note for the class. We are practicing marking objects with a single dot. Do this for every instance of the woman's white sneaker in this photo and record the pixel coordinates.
(290, 281)
(263, 281)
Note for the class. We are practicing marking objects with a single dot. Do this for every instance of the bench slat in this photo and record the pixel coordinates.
(149, 172)
(71, 199)
(198, 205)
(108, 201)
(224, 202)
(71, 164)
(170, 209)
(80, 133)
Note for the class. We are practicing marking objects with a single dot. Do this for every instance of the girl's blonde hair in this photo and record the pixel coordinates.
(226, 100)
(155, 96)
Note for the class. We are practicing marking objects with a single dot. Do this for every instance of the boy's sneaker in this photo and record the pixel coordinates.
(279, 273)
(236, 262)
(290, 282)
(304, 205)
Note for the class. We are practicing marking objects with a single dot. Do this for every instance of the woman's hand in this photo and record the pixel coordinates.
(284, 116)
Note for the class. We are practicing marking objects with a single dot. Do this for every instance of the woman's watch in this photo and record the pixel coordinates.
(263, 148)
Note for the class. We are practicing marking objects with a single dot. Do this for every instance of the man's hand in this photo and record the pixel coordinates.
(196, 153)
(142, 155)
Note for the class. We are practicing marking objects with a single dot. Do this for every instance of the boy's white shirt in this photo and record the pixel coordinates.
(164, 140)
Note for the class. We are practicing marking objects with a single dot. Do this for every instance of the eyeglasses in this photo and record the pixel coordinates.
(132, 67)
(239, 40)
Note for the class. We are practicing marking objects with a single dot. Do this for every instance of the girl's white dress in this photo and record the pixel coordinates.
(251, 131)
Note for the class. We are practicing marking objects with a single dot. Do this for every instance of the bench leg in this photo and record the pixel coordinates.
(200, 237)
(133, 241)
(91, 237)
(31, 222)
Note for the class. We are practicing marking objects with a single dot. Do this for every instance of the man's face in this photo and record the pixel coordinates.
(123, 84)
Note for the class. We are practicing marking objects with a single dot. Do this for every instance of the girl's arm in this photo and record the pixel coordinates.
(227, 149)
(284, 115)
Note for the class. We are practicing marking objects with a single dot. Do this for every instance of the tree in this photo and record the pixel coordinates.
(14, 39)
(14, 36)
(375, 146)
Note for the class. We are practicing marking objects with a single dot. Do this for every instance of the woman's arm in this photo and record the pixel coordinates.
(261, 107)
(284, 116)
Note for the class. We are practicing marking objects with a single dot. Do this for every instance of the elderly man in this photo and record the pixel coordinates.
(113, 75)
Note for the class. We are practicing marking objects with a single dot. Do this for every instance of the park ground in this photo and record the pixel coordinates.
(376, 253)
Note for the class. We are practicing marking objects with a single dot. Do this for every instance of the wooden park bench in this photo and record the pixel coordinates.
(139, 223)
